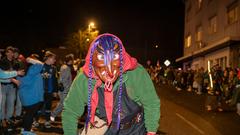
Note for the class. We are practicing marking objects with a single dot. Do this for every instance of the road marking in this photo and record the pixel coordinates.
(190, 123)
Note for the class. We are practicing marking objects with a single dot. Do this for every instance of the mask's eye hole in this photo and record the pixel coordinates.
(100, 57)
(116, 56)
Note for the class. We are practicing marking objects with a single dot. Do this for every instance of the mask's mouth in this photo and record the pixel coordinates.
(109, 77)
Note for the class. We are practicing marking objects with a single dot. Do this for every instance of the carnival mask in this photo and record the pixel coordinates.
(106, 62)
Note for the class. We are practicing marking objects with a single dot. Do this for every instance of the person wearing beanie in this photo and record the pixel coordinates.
(117, 90)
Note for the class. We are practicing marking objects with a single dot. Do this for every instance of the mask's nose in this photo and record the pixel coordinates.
(109, 70)
(109, 64)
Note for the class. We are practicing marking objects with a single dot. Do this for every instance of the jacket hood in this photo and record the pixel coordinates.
(129, 63)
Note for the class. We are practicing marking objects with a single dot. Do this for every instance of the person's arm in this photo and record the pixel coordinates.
(5, 80)
(74, 104)
(7, 74)
(15, 81)
(33, 61)
(144, 91)
(65, 76)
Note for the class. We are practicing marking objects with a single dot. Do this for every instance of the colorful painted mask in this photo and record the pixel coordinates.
(106, 62)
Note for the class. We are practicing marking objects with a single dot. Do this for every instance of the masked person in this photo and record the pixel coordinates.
(119, 94)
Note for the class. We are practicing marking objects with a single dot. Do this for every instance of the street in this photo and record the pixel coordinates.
(57, 45)
(182, 113)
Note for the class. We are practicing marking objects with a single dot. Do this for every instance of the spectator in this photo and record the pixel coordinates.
(31, 93)
(65, 82)
(49, 74)
(8, 88)
(19, 63)
(3, 76)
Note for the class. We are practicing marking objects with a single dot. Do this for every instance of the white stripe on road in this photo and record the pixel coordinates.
(190, 123)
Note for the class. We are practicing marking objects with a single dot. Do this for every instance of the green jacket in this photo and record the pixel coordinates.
(139, 88)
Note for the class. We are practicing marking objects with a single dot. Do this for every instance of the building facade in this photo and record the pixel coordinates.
(212, 33)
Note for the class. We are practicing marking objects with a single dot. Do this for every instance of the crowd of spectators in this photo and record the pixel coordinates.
(28, 87)
(223, 87)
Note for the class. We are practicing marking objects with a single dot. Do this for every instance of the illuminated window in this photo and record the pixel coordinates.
(222, 62)
(232, 14)
(199, 33)
(213, 25)
(188, 40)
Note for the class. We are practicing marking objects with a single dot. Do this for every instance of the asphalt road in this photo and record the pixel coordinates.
(182, 113)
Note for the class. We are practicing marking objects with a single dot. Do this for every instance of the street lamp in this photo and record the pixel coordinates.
(86, 35)
(90, 25)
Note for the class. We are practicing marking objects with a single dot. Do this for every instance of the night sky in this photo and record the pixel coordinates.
(140, 25)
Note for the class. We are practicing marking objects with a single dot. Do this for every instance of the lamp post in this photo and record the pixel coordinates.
(92, 32)
(90, 25)
(85, 36)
